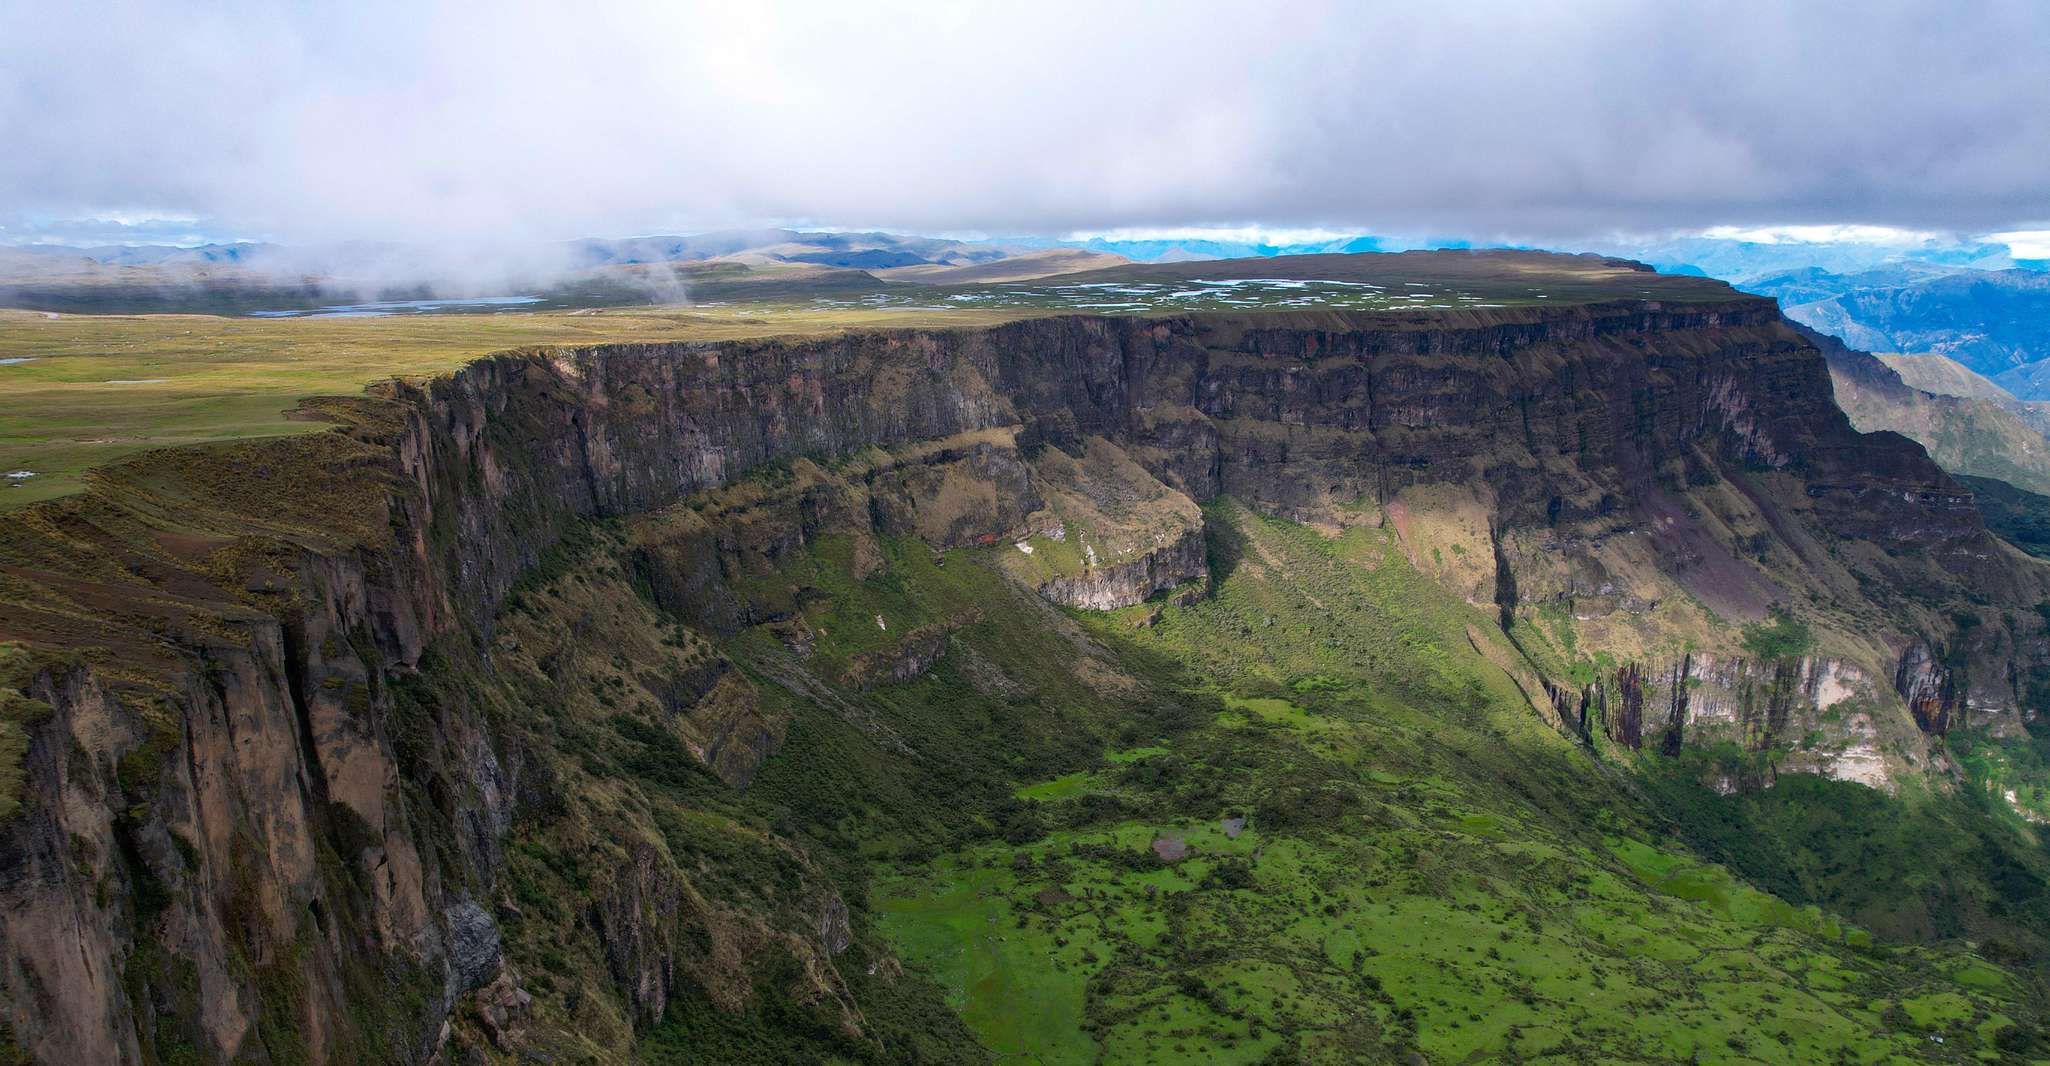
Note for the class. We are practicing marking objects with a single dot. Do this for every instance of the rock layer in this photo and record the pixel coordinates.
(230, 794)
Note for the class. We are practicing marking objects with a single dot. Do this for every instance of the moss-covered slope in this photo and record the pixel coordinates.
(594, 701)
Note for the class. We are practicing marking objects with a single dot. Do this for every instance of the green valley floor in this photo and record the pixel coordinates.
(1306, 820)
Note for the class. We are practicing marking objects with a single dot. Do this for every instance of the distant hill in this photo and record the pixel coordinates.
(1198, 249)
(2018, 516)
(1975, 435)
(1024, 266)
(1747, 261)
(1994, 322)
(1943, 376)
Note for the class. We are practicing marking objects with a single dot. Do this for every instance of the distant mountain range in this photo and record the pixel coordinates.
(1994, 322)
(1742, 262)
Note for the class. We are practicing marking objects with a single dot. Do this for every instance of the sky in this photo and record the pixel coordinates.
(1546, 122)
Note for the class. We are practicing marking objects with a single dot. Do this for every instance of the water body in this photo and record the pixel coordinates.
(1198, 294)
(379, 308)
(13, 359)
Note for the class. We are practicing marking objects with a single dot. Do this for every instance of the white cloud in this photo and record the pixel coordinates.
(1221, 234)
(2024, 243)
(527, 119)
(1888, 236)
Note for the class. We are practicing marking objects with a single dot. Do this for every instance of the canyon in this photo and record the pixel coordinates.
(292, 711)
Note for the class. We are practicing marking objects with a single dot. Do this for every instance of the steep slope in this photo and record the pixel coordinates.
(1942, 376)
(1980, 437)
(2018, 516)
(445, 716)
(1367, 848)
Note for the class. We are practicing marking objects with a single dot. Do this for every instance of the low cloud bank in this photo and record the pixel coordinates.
(516, 125)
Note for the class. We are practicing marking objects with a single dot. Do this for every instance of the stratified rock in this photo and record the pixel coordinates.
(230, 695)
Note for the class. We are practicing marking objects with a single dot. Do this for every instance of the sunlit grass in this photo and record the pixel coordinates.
(97, 387)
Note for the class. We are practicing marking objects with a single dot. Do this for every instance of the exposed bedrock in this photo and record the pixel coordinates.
(1122, 584)
(234, 790)
(1822, 715)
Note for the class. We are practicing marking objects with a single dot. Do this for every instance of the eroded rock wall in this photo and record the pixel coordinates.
(238, 837)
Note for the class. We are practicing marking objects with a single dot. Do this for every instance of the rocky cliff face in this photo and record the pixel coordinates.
(241, 828)
(1821, 715)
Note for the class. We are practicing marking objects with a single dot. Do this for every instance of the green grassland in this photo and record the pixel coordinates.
(97, 387)
(1422, 869)
(94, 387)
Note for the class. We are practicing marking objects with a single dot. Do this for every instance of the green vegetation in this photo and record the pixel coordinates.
(17, 713)
(1418, 869)
(94, 388)
(1784, 637)
(585, 669)
(1956, 867)
(1264, 828)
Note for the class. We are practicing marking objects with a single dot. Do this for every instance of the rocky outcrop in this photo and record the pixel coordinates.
(237, 790)
(1112, 533)
(1928, 689)
(1819, 714)
(1107, 587)
(907, 658)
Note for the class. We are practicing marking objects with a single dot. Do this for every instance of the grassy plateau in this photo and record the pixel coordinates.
(79, 390)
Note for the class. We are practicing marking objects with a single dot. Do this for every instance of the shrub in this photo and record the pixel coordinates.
(1785, 637)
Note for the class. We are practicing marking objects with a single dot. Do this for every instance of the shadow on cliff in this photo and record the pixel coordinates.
(1956, 871)
(1223, 549)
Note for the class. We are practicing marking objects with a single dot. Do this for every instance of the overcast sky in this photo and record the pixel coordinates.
(308, 122)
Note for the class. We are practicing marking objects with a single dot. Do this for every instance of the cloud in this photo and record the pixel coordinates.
(1889, 236)
(119, 229)
(519, 121)
(1248, 234)
(2026, 243)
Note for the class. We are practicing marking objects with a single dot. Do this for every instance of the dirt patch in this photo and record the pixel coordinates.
(1170, 847)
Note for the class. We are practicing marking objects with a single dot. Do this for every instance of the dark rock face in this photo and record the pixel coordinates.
(473, 947)
(1928, 688)
(635, 920)
(240, 720)
(1821, 707)
(835, 935)
(912, 656)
